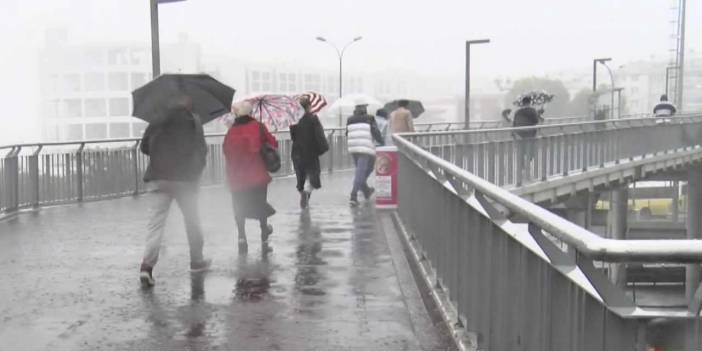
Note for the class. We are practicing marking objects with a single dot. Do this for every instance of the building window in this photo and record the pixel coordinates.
(72, 108)
(74, 132)
(118, 81)
(138, 129)
(94, 57)
(266, 83)
(71, 82)
(255, 81)
(96, 131)
(312, 82)
(53, 84)
(119, 107)
(138, 79)
(53, 109)
(292, 85)
(95, 108)
(283, 83)
(118, 57)
(139, 57)
(94, 81)
(119, 130)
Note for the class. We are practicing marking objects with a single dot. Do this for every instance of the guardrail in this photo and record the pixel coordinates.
(502, 157)
(522, 278)
(34, 175)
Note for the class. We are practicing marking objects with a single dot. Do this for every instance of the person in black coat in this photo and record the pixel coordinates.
(526, 116)
(177, 154)
(308, 143)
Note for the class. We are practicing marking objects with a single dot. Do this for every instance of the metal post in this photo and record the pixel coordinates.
(12, 173)
(79, 172)
(693, 221)
(341, 85)
(155, 48)
(618, 213)
(466, 119)
(135, 163)
(681, 64)
(330, 141)
(34, 175)
(676, 200)
(594, 76)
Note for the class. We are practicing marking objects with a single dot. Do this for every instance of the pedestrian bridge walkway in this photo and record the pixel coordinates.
(337, 279)
(506, 272)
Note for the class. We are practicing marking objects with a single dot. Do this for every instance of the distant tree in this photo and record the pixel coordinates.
(581, 105)
(558, 107)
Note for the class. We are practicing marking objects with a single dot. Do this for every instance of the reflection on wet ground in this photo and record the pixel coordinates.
(68, 280)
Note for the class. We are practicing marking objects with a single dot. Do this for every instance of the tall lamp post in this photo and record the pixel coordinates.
(611, 79)
(594, 77)
(467, 97)
(155, 51)
(340, 53)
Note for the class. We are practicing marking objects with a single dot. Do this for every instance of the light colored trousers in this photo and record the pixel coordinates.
(185, 194)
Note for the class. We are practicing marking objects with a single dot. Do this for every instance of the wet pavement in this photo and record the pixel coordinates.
(69, 280)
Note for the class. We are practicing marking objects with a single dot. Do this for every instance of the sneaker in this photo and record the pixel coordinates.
(371, 191)
(201, 266)
(353, 202)
(145, 276)
(304, 199)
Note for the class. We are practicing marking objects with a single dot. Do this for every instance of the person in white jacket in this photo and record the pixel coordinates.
(362, 134)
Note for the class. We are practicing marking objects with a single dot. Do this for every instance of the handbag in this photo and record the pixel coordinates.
(269, 154)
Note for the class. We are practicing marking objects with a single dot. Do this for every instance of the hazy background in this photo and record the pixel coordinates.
(529, 38)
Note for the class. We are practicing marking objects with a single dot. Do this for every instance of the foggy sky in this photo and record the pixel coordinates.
(528, 37)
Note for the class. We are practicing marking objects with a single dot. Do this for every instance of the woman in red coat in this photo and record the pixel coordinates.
(246, 173)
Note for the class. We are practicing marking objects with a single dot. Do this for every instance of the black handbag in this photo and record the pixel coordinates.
(269, 154)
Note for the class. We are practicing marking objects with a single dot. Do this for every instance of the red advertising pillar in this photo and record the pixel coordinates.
(386, 168)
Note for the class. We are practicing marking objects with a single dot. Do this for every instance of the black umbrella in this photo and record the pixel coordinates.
(415, 107)
(211, 99)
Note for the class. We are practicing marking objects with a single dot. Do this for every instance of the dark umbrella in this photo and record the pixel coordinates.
(211, 99)
(415, 107)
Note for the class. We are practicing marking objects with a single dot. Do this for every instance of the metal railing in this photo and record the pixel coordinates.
(34, 175)
(502, 157)
(522, 278)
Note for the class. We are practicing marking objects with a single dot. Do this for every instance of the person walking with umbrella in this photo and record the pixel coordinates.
(362, 134)
(401, 120)
(308, 143)
(176, 148)
(247, 174)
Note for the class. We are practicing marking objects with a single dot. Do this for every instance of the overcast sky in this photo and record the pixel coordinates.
(528, 37)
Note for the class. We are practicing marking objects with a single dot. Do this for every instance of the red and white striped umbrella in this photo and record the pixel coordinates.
(317, 101)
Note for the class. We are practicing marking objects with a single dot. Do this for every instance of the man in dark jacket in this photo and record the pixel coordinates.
(526, 116)
(309, 142)
(177, 151)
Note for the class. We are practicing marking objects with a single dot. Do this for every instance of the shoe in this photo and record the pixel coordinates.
(371, 191)
(201, 266)
(353, 202)
(304, 199)
(145, 276)
(266, 233)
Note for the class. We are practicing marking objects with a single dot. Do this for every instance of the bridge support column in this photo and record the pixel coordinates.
(676, 199)
(618, 214)
(693, 273)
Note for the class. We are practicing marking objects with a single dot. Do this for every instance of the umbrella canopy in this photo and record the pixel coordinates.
(415, 107)
(346, 104)
(211, 99)
(276, 111)
(317, 101)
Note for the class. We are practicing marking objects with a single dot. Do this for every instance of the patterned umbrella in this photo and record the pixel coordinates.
(276, 111)
(317, 101)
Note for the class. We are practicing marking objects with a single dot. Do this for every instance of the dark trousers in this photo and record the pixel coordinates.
(365, 164)
(307, 170)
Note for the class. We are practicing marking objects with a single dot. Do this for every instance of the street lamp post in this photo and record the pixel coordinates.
(611, 79)
(340, 53)
(594, 78)
(155, 51)
(467, 97)
(667, 77)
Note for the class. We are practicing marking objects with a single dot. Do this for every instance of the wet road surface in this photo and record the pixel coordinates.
(69, 280)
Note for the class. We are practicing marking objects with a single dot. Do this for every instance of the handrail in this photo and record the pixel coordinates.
(584, 241)
(649, 120)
